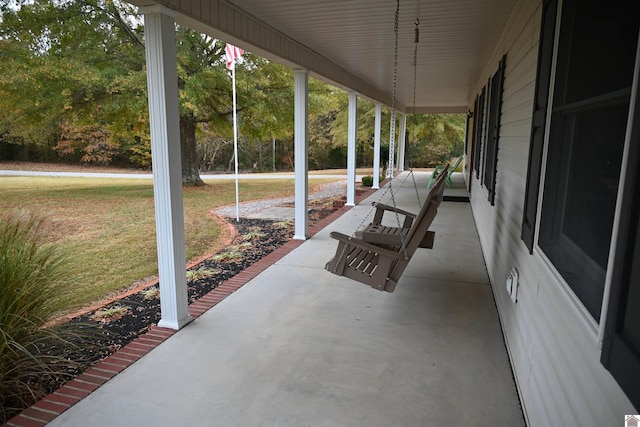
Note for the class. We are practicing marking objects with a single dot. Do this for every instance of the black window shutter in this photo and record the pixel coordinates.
(478, 139)
(493, 132)
(472, 131)
(541, 99)
(621, 346)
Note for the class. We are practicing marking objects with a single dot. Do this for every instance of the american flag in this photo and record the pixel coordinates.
(231, 53)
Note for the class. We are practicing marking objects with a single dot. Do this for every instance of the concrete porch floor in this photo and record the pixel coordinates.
(298, 346)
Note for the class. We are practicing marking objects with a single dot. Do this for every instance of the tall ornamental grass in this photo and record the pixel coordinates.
(35, 281)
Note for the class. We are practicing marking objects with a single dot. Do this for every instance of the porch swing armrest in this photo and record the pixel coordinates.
(353, 241)
(382, 206)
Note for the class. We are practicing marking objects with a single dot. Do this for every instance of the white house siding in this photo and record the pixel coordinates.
(551, 341)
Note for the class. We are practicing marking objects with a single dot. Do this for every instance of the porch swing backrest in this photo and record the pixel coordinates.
(434, 198)
(379, 234)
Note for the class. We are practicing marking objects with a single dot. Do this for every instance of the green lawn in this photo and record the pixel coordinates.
(109, 223)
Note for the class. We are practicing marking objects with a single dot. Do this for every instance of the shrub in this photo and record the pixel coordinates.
(201, 273)
(367, 181)
(253, 234)
(152, 293)
(34, 285)
(228, 255)
(113, 312)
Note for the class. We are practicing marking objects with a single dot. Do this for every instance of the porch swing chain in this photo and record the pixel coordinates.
(389, 188)
(396, 29)
(415, 79)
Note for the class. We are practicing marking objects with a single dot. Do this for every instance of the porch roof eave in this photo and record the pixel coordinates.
(351, 46)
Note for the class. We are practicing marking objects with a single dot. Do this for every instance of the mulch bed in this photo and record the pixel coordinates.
(115, 325)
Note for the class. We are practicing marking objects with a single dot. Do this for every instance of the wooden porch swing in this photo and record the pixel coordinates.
(381, 265)
(378, 255)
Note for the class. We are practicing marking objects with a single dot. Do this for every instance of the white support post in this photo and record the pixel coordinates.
(162, 81)
(351, 149)
(301, 159)
(402, 142)
(376, 146)
(392, 143)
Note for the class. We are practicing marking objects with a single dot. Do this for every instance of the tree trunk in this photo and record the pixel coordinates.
(273, 151)
(190, 172)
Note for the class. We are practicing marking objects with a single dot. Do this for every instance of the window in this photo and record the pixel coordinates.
(478, 137)
(586, 139)
(493, 130)
(621, 346)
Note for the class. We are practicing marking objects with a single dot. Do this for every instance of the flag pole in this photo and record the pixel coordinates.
(235, 140)
(231, 53)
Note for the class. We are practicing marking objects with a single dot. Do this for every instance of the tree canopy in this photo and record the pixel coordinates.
(431, 139)
(73, 88)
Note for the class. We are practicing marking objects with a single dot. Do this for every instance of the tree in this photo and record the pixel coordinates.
(364, 130)
(325, 103)
(73, 81)
(264, 96)
(432, 139)
(71, 64)
(71, 67)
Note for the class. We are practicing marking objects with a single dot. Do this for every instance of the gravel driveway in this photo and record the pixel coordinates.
(331, 189)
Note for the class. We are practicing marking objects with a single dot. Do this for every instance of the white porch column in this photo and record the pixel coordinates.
(376, 146)
(301, 159)
(351, 150)
(402, 142)
(162, 81)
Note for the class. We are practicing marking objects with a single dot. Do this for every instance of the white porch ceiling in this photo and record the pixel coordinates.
(351, 42)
